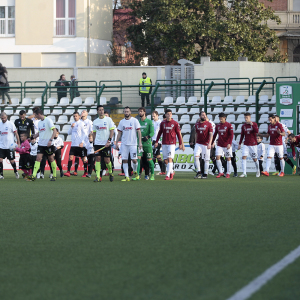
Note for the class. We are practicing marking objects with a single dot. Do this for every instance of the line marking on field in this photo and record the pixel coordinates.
(261, 280)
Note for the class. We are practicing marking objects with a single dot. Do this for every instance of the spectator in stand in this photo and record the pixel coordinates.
(74, 91)
(62, 89)
(4, 85)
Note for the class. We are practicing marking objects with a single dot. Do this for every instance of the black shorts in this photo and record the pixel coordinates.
(6, 153)
(78, 151)
(33, 159)
(25, 161)
(46, 150)
(106, 152)
(156, 151)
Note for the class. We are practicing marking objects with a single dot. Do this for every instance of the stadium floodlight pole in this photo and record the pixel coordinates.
(257, 99)
(152, 97)
(205, 95)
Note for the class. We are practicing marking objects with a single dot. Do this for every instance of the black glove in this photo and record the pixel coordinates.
(145, 138)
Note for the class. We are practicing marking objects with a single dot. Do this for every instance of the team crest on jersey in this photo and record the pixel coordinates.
(104, 123)
(172, 125)
(130, 124)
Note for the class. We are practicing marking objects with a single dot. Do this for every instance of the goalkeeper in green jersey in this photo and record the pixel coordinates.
(147, 131)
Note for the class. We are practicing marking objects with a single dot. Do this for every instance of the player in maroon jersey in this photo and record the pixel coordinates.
(224, 147)
(275, 132)
(203, 137)
(169, 129)
(249, 131)
(294, 142)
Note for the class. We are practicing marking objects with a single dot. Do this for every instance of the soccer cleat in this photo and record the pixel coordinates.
(111, 177)
(294, 170)
(265, 173)
(220, 175)
(198, 175)
(50, 176)
(88, 176)
(23, 175)
(195, 170)
(121, 174)
(84, 174)
(67, 174)
(98, 179)
(31, 178)
(235, 175)
(258, 174)
(53, 178)
(281, 174)
(1, 177)
(137, 177)
(74, 173)
(161, 173)
(61, 174)
(204, 176)
(17, 175)
(227, 176)
(275, 174)
(167, 178)
(212, 173)
(126, 179)
(172, 175)
(152, 177)
(42, 176)
(38, 175)
(243, 175)
(146, 177)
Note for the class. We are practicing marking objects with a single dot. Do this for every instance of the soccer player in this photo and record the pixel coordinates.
(169, 129)
(156, 151)
(261, 151)
(24, 125)
(275, 132)
(204, 135)
(78, 133)
(103, 131)
(294, 142)
(147, 132)
(249, 131)
(58, 143)
(129, 128)
(225, 132)
(46, 133)
(7, 132)
(90, 155)
(233, 159)
(24, 150)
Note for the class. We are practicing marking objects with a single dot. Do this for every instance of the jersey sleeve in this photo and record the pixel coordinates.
(255, 128)
(120, 128)
(111, 124)
(242, 135)
(159, 132)
(50, 123)
(137, 124)
(230, 129)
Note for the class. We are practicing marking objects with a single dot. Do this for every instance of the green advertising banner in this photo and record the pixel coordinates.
(287, 103)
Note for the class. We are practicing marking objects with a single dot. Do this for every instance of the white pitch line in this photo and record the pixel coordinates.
(261, 280)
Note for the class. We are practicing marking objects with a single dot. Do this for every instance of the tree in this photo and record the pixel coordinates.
(223, 30)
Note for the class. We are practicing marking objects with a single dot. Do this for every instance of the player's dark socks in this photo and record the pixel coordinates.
(201, 165)
(277, 163)
(289, 162)
(69, 165)
(43, 164)
(76, 163)
(146, 165)
(1, 168)
(224, 164)
(85, 165)
(101, 172)
(161, 165)
(14, 166)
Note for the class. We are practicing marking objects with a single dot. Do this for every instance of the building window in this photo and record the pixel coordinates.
(7, 21)
(65, 17)
(296, 5)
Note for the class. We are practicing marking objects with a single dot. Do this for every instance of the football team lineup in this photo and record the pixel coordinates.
(142, 142)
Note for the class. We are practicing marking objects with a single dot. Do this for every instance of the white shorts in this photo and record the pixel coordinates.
(252, 150)
(129, 149)
(168, 151)
(202, 149)
(223, 151)
(278, 149)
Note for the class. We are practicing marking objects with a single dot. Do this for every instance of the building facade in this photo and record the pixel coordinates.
(55, 33)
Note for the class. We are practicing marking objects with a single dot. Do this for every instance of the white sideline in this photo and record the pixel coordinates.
(261, 280)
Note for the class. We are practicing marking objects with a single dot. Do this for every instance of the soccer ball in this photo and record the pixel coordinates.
(13, 146)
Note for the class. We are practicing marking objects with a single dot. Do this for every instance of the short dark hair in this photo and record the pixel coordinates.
(222, 115)
(24, 133)
(38, 111)
(168, 110)
(61, 76)
(259, 135)
(247, 114)
(35, 108)
(202, 111)
(272, 116)
(127, 107)
(76, 113)
(99, 106)
(142, 108)
(291, 135)
(276, 116)
(155, 112)
(144, 73)
(22, 112)
(164, 116)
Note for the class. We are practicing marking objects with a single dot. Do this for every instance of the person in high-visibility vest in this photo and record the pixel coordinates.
(144, 89)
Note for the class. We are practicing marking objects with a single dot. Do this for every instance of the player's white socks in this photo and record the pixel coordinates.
(171, 167)
(244, 166)
(197, 163)
(206, 166)
(228, 167)
(219, 165)
(282, 164)
(268, 164)
(134, 166)
(257, 165)
(125, 167)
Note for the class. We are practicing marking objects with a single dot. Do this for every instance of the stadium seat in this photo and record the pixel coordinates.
(26, 102)
(184, 119)
(202, 100)
(194, 119)
(182, 111)
(230, 118)
(173, 109)
(263, 118)
(264, 110)
(186, 128)
(160, 110)
(263, 128)
(18, 109)
(273, 100)
(240, 110)
(167, 101)
(228, 100)
(62, 120)
(194, 111)
(263, 99)
(175, 118)
(51, 101)
(65, 129)
(229, 109)
(62, 137)
(149, 117)
(215, 100)
(14, 102)
(216, 119)
(238, 129)
(69, 111)
(47, 110)
(29, 111)
(186, 138)
(218, 109)
(192, 100)
(69, 138)
(210, 117)
(251, 110)
(71, 120)
(89, 101)
(37, 102)
(13, 118)
(239, 100)
(57, 110)
(251, 100)
(52, 118)
(273, 110)
(65, 101)
(240, 119)
(93, 111)
(77, 101)
(180, 101)
(208, 110)
(238, 137)
(57, 127)
(103, 101)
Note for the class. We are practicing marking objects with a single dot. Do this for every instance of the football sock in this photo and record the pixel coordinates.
(219, 165)
(161, 164)
(53, 168)
(109, 167)
(151, 165)
(168, 169)
(139, 166)
(14, 166)
(206, 166)
(171, 167)
(85, 167)
(76, 164)
(36, 168)
(197, 163)
(289, 162)
(228, 167)
(98, 168)
(1, 168)
(268, 164)
(244, 166)
(69, 165)
(282, 164)
(134, 166)
(125, 167)
(257, 165)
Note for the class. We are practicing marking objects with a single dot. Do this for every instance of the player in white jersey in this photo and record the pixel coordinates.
(46, 133)
(156, 151)
(103, 131)
(78, 133)
(8, 131)
(129, 128)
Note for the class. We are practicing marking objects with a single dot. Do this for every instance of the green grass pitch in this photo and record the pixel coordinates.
(159, 240)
